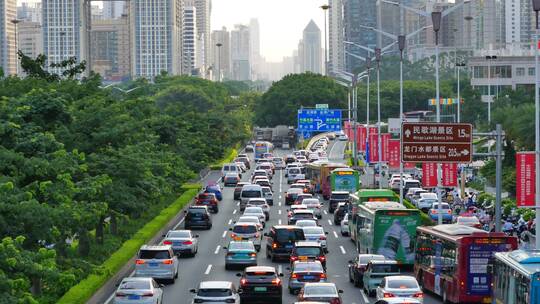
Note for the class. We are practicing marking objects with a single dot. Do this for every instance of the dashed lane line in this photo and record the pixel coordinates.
(342, 250)
(208, 269)
(225, 234)
(217, 249)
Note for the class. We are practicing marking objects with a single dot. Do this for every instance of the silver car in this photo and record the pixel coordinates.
(316, 234)
(256, 211)
(182, 241)
(260, 202)
(247, 232)
(345, 225)
(304, 272)
(268, 195)
(134, 290)
(241, 253)
(158, 262)
(313, 204)
(216, 292)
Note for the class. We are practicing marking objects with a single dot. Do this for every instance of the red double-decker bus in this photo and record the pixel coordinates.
(453, 261)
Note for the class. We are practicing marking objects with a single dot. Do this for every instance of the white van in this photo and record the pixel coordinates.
(231, 168)
(248, 192)
(294, 174)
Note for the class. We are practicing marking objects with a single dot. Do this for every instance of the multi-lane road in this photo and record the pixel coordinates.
(209, 263)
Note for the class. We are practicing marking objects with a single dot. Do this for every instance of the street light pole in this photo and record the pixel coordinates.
(536, 7)
(368, 67)
(401, 45)
(219, 45)
(488, 59)
(379, 146)
(459, 65)
(436, 20)
(16, 22)
(325, 9)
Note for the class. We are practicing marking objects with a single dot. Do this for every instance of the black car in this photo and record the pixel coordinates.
(308, 251)
(281, 239)
(197, 216)
(339, 213)
(238, 190)
(260, 283)
(335, 198)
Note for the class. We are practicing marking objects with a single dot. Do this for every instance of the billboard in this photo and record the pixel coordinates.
(395, 233)
(346, 180)
(319, 120)
(525, 179)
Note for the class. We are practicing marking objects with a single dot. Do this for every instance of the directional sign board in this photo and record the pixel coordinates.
(321, 106)
(321, 120)
(436, 142)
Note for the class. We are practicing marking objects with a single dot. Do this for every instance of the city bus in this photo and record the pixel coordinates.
(517, 278)
(262, 147)
(344, 179)
(319, 174)
(366, 195)
(452, 261)
(387, 228)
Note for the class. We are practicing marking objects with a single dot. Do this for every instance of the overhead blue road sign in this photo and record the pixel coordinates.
(321, 120)
(306, 134)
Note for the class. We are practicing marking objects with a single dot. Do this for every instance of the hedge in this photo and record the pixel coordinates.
(228, 158)
(426, 220)
(81, 292)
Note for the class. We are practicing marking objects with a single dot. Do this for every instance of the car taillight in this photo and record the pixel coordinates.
(449, 211)
(276, 281)
(243, 281)
(388, 295)
(257, 235)
(335, 301)
(322, 258)
(167, 243)
(187, 243)
(148, 294)
(294, 258)
(120, 294)
(139, 262)
(233, 235)
(294, 276)
(418, 295)
(322, 237)
(274, 245)
(322, 276)
(168, 262)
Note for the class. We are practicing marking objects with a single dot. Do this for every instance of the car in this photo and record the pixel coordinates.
(240, 253)
(317, 234)
(343, 137)
(411, 183)
(331, 136)
(335, 198)
(410, 192)
(285, 145)
(208, 200)
(417, 194)
(197, 216)
(248, 192)
(231, 179)
(446, 212)
(302, 272)
(375, 272)
(268, 195)
(260, 202)
(471, 221)
(243, 159)
(238, 190)
(257, 178)
(291, 195)
(298, 185)
(426, 201)
(249, 148)
(344, 225)
(289, 159)
(243, 231)
(261, 173)
(182, 241)
(306, 223)
(308, 188)
(290, 211)
(398, 301)
(216, 292)
(157, 262)
(313, 204)
(216, 189)
(256, 211)
(324, 292)
(242, 166)
(359, 265)
(308, 250)
(399, 287)
(294, 174)
(230, 167)
(260, 283)
(342, 208)
(133, 290)
(301, 214)
(263, 182)
(280, 241)
(278, 163)
(269, 167)
(300, 197)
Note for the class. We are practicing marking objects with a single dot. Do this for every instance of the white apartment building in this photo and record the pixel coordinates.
(8, 49)
(190, 52)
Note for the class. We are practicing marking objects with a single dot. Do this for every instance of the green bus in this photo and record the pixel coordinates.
(367, 195)
(345, 179)
(387, 228)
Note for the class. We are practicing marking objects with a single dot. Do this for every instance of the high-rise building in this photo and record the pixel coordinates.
(97, 12)
(63, 30)
(519, 22)
(190, 51)
(204, 9)
(240, 53)
(29, 12)
(335, 36)
(111, 49)
(156, 29)
(8, 48)
(221, 55)
(255, 47)
(356, 13)
(30, 38)
(312, 50)
(113, 9)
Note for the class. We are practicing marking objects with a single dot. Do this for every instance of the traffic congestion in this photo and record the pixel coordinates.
(284, 226)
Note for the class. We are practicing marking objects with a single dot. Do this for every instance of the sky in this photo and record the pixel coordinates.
(281, 22)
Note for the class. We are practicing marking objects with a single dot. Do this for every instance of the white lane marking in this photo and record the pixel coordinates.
(279, 211)
(330, 222)
(279, 269)
(217, 249)
(234, 212)
(207, 272)
(280, 182)
(335, 234)
(225, 234)
(366, 299)
(280, 197)
(279, 222)
(179, 223)
(325, 212)
(230, 221)
(238, 204)
(342, 249)
(279, 204)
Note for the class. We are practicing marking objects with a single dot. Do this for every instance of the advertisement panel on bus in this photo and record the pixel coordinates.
(394, 234)
(262, 147)
(345, 180)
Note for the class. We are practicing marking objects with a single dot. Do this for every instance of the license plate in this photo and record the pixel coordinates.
(237, 238)
(309, 277)
(288, 246)
(486, 300)
(260, 289)
(303, 258)
(177, 243)
(153, 264)
(134, 297)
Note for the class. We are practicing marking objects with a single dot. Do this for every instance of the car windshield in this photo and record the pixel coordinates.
(253, 210)
(248, 219)
(294, 171)
(319, 290)
(308, 251)
(402, 284)
(266, 190)
(303, 215)
(206, 196)
(313, 230)
(310, 266)
(154, 254)
(256, 202)
(286, 235)
(384, 268)
(343, 196)
(135, 285)
(244, 229)
(443, 206)
(259, 274)
(214, 292)
(251, 193)
(468, 219)
(197, 210)
(241, 246)
(179, 234)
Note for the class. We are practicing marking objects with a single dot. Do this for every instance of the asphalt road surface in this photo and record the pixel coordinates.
(209, 263)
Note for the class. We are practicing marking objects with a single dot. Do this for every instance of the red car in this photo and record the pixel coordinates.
(207, 199)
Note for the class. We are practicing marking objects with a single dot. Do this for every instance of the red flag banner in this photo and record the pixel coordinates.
(394, 150)
(385, 138)
(449, 175)
(429, 175)
(525, 179)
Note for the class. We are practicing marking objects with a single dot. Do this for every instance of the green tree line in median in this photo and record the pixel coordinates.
(82, 166)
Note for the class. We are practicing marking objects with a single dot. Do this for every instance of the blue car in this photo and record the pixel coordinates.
(216, 189)
(446, 213)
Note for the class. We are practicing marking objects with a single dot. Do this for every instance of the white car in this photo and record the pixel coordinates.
(313, 204)
(399, 287)
(426, 200)
(343, 137)
(294, 174)
(258, 212)
(306, 223)
(216, 292)
(250, 219)
(260, 202)
(345, 225)
(278, 163)
(317, 234)
(133, 290)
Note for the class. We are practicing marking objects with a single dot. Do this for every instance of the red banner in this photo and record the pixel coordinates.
(374, 146)
(525, 179)
(394, 150)
(361, 135)
(449, 175)
(408, 165)
(429, 175)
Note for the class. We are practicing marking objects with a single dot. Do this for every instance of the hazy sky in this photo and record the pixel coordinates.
(281, 21)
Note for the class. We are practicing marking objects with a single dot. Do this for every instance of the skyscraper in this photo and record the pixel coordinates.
(335, 36)
(312, 50)
(240, 53)
(204, 9)
(30, 38)
(8, 51)
(189, 39)
(356, 13)
(113, 9)
(63, 30)
(221, 55)
(156, 35)
(111, 50)
(255, 46)
(29, 12)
